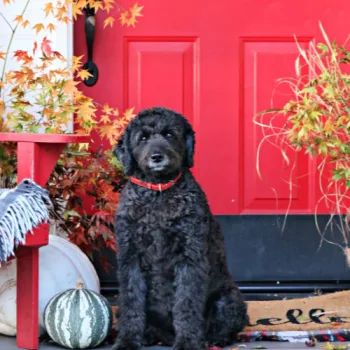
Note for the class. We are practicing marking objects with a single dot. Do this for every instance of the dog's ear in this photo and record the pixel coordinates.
(123, 153)
(190, 144)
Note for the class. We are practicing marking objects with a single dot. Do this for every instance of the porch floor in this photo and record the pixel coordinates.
(9, 343)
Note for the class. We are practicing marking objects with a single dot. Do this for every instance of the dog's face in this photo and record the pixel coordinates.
(158, 142)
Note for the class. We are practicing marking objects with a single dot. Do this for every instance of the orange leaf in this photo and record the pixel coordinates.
(48, 8)
(131, 21)
(76, 62)
(109, 22)
(69, 87)
(84, 74)
(136, 10)
(62, 12)
(129, 114)
(18, 19)
(64, 19)
(2, 55)
(124, 17)
(116, 112)
(96, 5)
(76, 9)
(6, 2)
(2, 107)
(107, 109)
(51, 27)
(8, 76)
(38, 28)
(105, 119)
(108, 5)
(25, 23)
(328, 127)
(109, 132)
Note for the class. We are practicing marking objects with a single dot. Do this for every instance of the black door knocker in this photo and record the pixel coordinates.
(90, 65)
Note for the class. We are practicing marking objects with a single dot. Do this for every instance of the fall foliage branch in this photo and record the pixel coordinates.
(6, 20)
(10, 44)
(45, 96)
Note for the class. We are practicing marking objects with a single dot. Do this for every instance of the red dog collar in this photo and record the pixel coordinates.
(155, 187)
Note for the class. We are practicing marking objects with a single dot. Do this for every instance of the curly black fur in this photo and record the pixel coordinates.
(175, 286)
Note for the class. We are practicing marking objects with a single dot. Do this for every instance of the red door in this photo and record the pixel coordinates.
(217, 63)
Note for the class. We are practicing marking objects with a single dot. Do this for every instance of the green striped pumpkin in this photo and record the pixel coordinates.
(78, 318)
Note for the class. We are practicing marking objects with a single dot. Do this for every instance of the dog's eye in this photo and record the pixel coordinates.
(144, 138)
(169, 135)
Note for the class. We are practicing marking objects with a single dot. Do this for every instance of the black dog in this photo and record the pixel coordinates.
(175, 286)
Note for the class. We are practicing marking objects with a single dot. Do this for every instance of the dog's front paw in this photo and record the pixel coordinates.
(188, 344)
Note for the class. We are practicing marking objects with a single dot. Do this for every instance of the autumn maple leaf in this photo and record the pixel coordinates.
(110, 133)
(2, 55)
(108, 5)
(45, 46)
(129, 114)
(6, 2)
(76, 9)
(22, 55)
(38, 28)
(2, 107)
(51, 27)
(96, 5)
(64, 19)
(62, 12)
(76, 62)
(70, 87)
(59, 56)
(136, 10)
(84, 74)
(105, 119)
(106, 109)
(25, 23)
(124, 17)
(48, 8)
(35, 46)
(18, 19)
(108, 22)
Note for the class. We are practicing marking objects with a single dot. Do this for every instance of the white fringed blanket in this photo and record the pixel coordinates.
(21, 209)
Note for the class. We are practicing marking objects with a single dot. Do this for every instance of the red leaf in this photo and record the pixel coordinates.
(57, 54)
(22, 55)
(111, 244)
(45, 47)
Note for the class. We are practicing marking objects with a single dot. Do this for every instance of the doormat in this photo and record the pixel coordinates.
(324, 318)
(319, 318)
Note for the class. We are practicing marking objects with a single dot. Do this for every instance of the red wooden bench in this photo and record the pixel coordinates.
(37, 155)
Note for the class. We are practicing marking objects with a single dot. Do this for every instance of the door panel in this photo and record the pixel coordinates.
(218, 63)
(270, 183)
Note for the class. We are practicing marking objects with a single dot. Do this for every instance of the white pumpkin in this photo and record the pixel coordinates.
(61, 264)
(78, 318)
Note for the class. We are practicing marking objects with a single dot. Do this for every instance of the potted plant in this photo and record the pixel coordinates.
(316, 121)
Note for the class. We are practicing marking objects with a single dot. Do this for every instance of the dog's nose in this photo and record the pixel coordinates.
(156, 157)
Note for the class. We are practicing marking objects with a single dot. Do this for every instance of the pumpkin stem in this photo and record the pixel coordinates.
(80, 284)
